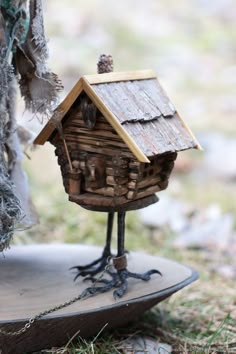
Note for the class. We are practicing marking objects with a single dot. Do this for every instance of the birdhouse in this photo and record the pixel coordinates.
(116, 136)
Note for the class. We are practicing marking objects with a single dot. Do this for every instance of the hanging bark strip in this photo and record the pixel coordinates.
(10, 211)
(23, 54)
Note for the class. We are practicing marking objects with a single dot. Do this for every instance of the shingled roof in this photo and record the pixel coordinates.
(137, 107)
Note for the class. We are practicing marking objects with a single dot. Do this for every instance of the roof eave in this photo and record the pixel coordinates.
(198, 145)
(59, 114)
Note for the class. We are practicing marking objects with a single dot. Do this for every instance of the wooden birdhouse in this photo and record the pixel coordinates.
(116, 136)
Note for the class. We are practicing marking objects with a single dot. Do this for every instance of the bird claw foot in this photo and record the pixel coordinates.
(93, 268)
(124, 274)
(94, 290)
(119, 280)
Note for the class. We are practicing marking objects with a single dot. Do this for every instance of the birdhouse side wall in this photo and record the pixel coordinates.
(153, 176)
(116, 165)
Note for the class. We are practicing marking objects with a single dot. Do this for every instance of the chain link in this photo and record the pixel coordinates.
(82, 296)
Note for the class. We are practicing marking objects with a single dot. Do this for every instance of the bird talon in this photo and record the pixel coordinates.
(91, 269)
(155, 271)
(92, 279)
(76, 277)
(117, 294)
(74, 267)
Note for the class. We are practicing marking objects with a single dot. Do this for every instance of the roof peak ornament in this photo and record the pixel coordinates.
(105, 64)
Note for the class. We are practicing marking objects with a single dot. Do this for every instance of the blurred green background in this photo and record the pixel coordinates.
(192, 47)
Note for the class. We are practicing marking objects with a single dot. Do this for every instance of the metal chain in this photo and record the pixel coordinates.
(82, 296)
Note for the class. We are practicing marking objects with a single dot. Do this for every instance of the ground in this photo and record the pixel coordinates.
(191, 45)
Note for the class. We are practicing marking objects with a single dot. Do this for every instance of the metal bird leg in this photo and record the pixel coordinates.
(89, 269)
(121, 273)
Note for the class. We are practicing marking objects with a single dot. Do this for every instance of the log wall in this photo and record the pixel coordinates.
(154, 176)
(126, 179)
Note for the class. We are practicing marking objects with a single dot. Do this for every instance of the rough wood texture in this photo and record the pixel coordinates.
(111, 180)
(148, 191)
(103, 203)
(147, 115)
(120, 76)
(114, 191)
(116, 172)
(105, 141)
(25, 294)
(123, 178)
(149, 178)
(132, 193)
(98, 202)
(82, 145)
(75, 183)
(133, 101)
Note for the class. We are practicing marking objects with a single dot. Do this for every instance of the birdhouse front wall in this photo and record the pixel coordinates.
(101, 171)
